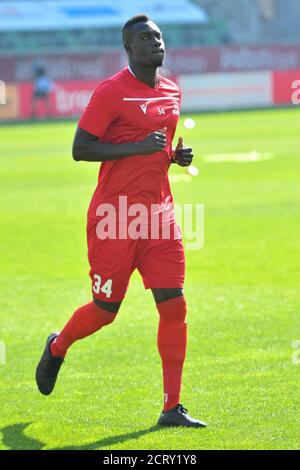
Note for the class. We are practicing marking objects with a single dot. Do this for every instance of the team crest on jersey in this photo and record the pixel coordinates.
(161, 111)
(143, 108)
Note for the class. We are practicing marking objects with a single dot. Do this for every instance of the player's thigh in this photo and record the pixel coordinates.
(163, 266)
(111, 265)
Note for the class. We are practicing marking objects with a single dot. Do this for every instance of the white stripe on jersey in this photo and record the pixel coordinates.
(152, 99)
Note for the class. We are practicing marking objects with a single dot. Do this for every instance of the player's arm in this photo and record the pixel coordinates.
(88, 147)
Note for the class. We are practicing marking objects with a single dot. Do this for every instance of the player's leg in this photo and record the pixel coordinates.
(112, 307)
(85, 321)
(162, 267)
(171, 340)
(34, 106)
(48, 105)
(160, 295)
(109, 285)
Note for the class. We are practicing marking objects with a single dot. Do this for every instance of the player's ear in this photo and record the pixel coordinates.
(127, 46)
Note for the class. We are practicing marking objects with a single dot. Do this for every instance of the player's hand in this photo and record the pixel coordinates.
(183, 155)
(154, 142)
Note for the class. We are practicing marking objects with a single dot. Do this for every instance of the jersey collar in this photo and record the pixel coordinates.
(156, 86)
(129, 68)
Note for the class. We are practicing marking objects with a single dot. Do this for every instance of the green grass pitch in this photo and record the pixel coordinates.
(242, 289)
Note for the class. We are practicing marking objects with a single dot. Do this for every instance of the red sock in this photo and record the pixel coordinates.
(171, 341)
(86, 320)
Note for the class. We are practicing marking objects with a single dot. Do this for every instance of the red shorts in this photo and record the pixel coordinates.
(161, 264)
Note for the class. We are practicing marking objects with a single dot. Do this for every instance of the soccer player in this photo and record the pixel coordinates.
(129, 125)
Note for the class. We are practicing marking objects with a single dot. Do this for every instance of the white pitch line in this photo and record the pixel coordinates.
(237, 157)
(180, 178)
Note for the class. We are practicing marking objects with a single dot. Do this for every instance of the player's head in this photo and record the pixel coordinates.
(143, 42)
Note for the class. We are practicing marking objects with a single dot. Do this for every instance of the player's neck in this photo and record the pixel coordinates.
(148, 75)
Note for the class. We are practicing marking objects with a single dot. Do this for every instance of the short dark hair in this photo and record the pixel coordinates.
(126, 30)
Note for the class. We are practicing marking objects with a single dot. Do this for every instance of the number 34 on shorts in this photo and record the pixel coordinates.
(106, 288)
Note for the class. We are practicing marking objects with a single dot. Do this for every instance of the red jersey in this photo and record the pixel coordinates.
(123, 109)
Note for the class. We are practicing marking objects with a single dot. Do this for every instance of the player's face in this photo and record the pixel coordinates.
(147, 45)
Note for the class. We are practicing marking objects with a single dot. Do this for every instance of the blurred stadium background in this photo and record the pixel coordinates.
(242, 368)
(233, 54)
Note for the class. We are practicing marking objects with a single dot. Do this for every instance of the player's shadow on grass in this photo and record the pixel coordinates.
(108, 441)
(14, 439)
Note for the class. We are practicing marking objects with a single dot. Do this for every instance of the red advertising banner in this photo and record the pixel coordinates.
(178, 61)
(68, 99)
(286, 87)
(219, 91)
(62, 66)
(200, 92)
(233, 59)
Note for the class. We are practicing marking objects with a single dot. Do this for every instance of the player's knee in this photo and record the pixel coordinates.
(109, 307)
(160, 295)
(173, 310)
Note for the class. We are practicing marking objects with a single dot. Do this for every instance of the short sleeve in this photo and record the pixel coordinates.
(101, 110)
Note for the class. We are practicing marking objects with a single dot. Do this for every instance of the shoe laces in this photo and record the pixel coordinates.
(181, 409)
